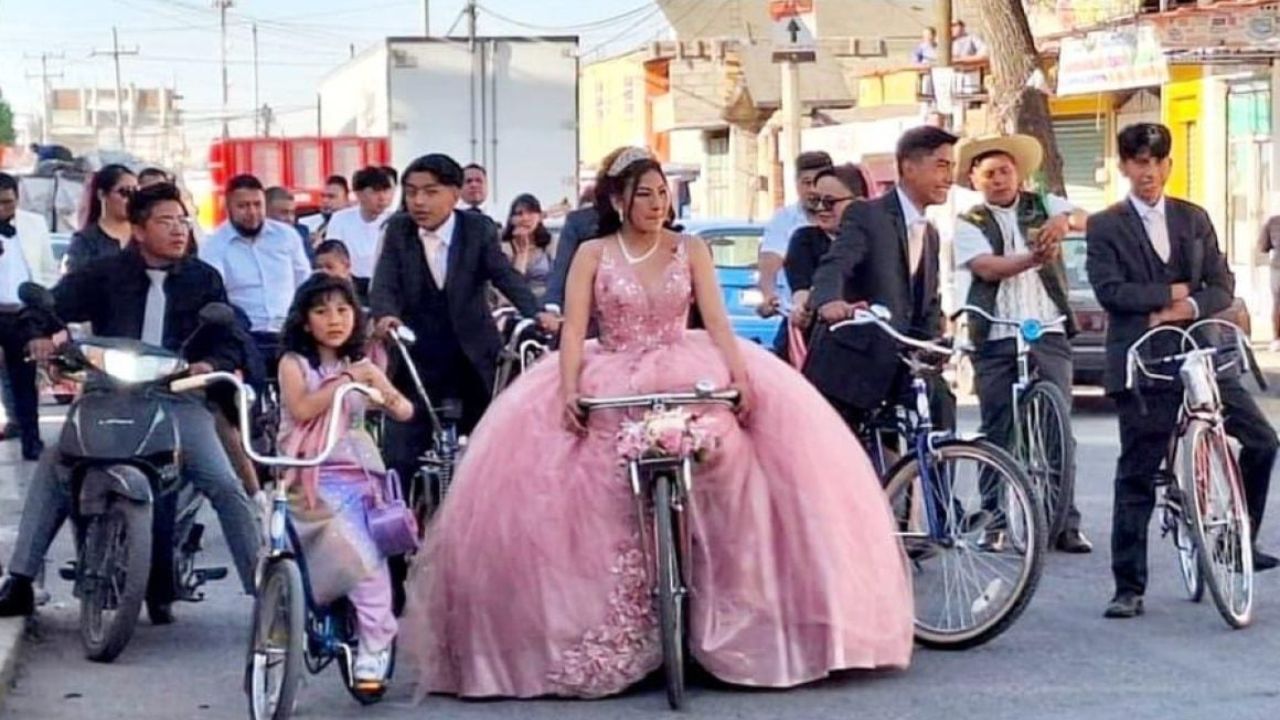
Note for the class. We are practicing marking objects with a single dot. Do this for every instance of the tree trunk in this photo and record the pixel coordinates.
(1014, 106)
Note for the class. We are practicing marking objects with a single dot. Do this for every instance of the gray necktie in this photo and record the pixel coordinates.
(153, 316)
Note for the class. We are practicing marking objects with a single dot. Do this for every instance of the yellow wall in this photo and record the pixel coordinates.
(611, 106)
(894, 88)
(1180, 109)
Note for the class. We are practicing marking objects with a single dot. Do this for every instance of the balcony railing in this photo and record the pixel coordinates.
(968, 84)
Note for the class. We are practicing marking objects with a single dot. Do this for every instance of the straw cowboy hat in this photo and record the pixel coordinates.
(1024, 149)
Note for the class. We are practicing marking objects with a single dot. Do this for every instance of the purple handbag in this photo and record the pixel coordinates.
(392, 525)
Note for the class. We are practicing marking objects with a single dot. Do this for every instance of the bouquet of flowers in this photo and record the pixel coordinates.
(670, 433)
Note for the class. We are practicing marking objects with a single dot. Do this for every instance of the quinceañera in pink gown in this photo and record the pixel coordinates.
(532, 581)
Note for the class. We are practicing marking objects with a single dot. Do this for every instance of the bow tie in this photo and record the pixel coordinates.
(7, 229)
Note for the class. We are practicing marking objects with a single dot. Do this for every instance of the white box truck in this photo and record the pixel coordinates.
(507, 103)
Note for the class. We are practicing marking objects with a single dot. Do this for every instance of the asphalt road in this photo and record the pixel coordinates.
(1061, 660)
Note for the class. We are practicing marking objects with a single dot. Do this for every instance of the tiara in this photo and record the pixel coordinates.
(627, 158)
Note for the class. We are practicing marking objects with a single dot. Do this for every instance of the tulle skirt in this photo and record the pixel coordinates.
(533, 581)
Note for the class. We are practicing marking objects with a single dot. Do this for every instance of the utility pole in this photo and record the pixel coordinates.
(257, 115)
(944, 33)
(45, 91)
(472, 12)
(222, 6)
(426, 18)
(115, 54)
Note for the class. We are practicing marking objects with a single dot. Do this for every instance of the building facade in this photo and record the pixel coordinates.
(87, 119)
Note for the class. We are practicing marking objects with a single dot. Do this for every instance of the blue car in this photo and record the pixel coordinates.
(735, 246)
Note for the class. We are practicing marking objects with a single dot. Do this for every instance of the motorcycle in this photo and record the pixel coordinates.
(136, 531)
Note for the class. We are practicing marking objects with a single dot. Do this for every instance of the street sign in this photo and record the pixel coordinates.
(795, 31)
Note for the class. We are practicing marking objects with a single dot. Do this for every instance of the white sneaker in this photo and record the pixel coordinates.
(372, 667)
(1274, 346)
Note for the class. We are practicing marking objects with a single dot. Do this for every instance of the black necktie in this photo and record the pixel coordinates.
(7, 229)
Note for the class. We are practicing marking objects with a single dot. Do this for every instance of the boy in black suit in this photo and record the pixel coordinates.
(1155, 260)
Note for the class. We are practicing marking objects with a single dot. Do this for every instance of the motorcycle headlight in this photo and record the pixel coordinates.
(131, 367)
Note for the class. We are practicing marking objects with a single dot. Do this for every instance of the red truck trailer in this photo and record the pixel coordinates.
(298, 164)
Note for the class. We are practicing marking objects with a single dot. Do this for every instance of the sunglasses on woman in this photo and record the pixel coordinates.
(826, 202)
(125, 191)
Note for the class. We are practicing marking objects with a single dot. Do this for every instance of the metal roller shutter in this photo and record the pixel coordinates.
(1082, 143)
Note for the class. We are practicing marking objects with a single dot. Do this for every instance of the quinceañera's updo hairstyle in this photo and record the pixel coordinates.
(620, 172)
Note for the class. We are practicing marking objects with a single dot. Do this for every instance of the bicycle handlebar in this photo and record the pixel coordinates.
(1008, 322)
(702, 395)
(198, 382)
(1134, 364)
(879, 316)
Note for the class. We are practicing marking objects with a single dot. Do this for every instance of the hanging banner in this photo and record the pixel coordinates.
(1108, 60)
(1240, 28)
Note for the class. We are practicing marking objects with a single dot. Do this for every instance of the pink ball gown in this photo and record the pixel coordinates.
(532, 581)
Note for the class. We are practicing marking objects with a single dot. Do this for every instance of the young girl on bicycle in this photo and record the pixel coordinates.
(324, 342)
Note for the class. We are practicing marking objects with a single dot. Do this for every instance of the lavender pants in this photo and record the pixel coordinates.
(344, 491)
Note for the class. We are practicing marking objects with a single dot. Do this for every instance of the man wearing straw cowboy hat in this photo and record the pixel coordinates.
(1008, 261)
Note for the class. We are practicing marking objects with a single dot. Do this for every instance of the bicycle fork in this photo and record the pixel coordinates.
(680, 480)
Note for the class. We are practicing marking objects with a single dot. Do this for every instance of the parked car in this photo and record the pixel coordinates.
(1088, 351)
(735, 247)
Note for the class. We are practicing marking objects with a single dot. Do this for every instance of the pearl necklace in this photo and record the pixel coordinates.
(633, 260)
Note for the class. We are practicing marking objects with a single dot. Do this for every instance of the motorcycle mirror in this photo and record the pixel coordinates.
(35, 295)
(218, 314)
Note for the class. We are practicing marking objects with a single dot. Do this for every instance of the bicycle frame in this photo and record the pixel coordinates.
(446, 445)
(1029, 332)
(919, 435)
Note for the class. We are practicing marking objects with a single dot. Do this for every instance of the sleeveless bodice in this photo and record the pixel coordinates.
(632, 316)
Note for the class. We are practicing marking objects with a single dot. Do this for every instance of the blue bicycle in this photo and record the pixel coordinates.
(966, 513)
(291, 630)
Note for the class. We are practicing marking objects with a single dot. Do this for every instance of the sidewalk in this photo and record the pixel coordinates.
(13, 483)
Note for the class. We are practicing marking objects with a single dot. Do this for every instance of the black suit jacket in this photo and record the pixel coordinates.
(402, 281)
(1131, 281)
(111, 293)
(579, 227)
(868, 263)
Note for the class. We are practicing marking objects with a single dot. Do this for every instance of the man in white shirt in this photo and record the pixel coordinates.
(360, 227)
(262, 263)
(965, 46)
(1008, 262)
(788, 219)
(25, 255)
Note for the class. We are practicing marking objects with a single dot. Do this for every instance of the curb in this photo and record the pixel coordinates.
(11, 632)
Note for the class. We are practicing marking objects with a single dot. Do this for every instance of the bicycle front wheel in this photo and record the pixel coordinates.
(975, 534)
(1220, 523)
(276, 648)
(670, 590)
(1047, 451)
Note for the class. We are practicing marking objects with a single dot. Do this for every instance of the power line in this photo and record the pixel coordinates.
(587, 26)
(653, 11)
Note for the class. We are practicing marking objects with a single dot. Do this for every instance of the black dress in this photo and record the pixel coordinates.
(91, 244)
(804, 252)
(805, 249)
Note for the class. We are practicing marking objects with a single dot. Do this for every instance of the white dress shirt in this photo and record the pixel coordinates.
(14, 269)
(777, 234)
(917, 225)
(435, 248)
(262, 274)
(362, 238)
(1155, 220)
(1021, 296)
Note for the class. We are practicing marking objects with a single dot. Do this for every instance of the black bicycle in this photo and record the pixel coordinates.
(661, 484)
